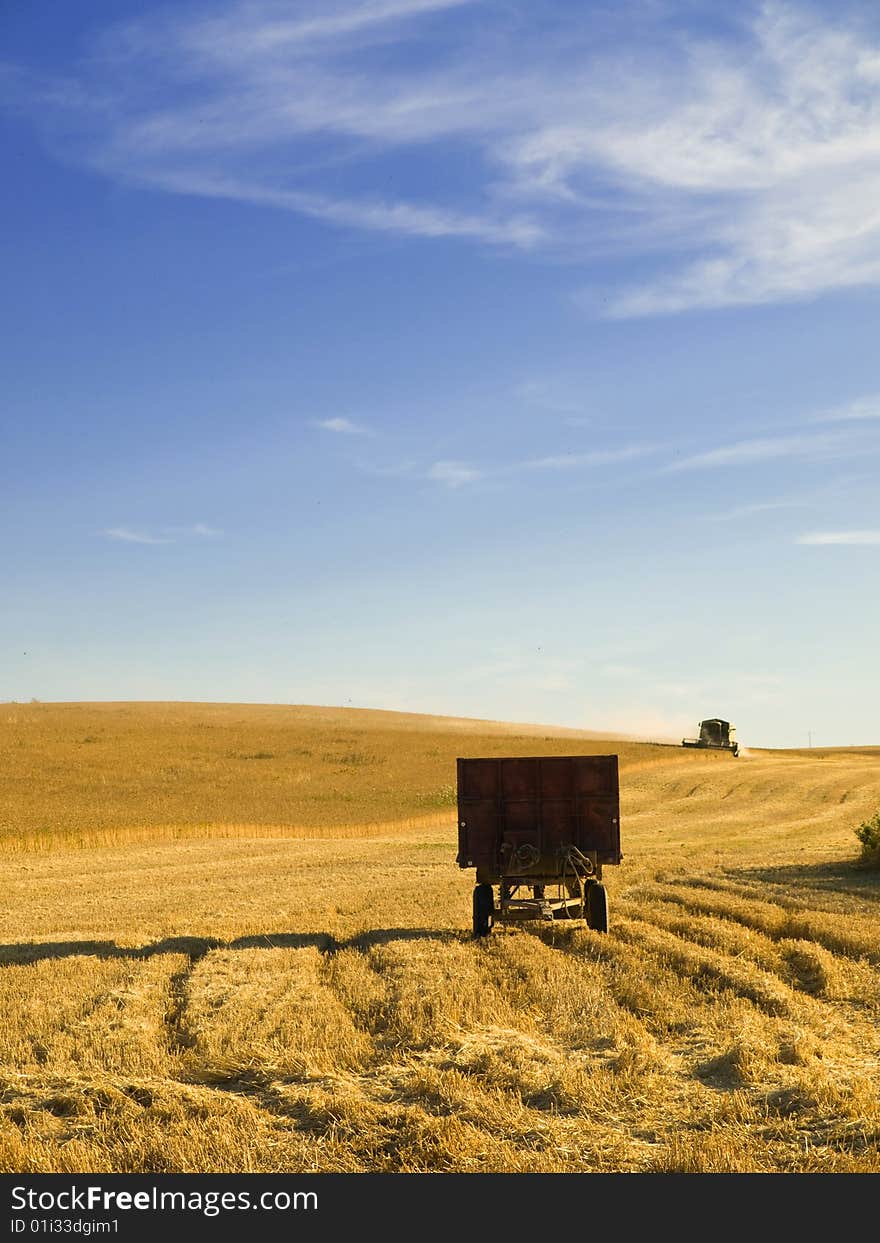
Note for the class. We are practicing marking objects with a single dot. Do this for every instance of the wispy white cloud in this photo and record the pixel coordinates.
(457, 474)
(759, 507)
(413, 219)
(594, 457)
(454, 474)
(166, 535)
(840, 537)
(345, 427)
(861, 408)
(265, 27)
(748, 164)
(135, 537)
(803, 446)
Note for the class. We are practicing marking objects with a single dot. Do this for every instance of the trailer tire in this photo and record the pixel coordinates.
(484, 910)
(597, 908)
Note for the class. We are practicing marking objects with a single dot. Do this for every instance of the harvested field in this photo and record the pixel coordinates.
(212, 961)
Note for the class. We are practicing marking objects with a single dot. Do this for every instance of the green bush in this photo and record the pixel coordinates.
(869, 835)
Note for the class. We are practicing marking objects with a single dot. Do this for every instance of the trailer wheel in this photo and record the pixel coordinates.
(484, 910)
(597, 908)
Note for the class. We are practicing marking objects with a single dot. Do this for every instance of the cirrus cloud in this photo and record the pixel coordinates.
(840, 537)
(742, 157)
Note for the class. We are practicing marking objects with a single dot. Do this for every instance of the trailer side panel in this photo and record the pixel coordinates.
(523, 814)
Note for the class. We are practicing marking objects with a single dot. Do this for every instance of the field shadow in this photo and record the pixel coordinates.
(842, 877)
(385, 936)
(28, 952)
(193, 947)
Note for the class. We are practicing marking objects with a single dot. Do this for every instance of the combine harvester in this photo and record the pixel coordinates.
(529, 824)
(715, 735)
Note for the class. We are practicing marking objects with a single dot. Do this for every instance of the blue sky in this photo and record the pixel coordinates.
(477, 357)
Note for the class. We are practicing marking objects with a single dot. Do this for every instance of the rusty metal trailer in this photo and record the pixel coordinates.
(529, 824)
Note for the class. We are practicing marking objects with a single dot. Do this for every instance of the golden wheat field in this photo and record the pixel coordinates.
(235, 939)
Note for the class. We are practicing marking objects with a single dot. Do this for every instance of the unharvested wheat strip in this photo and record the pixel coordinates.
(224, 891)
(67, 839)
